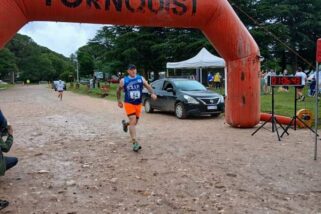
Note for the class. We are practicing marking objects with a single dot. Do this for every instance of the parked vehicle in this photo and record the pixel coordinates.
(84, 81)
(184, 97)
(113, 79)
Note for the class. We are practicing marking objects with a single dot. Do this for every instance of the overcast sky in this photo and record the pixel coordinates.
(64, 38)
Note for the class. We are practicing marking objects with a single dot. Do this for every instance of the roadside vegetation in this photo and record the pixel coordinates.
(5, 86)
(95, 92)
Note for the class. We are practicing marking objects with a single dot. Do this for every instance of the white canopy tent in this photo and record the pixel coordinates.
(204, 59)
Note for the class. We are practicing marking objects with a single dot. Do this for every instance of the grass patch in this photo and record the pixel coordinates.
(283, 101)
(5, 86)
(95, 92)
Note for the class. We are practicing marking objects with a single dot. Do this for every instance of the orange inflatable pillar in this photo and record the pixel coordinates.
(216, 19)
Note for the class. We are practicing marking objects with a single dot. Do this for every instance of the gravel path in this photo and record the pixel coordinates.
(74, 158)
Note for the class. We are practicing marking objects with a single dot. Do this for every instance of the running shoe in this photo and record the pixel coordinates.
(125, 125)
(136, 146)
(3, 204)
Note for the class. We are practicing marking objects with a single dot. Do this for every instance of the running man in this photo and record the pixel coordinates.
(133, 86)
(60, 89)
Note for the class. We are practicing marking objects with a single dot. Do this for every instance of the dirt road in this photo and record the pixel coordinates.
(74, 158)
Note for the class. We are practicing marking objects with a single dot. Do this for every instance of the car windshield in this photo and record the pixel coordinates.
(189, 85)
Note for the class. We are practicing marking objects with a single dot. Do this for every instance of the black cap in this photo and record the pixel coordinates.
(131, 67)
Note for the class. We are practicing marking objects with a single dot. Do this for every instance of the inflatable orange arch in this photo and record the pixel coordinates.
(215, 18)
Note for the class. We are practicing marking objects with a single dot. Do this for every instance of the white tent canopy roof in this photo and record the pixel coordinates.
(203, 59)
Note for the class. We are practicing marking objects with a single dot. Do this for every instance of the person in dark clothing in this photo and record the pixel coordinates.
(5, 146)
(313, 87)
(5, 162)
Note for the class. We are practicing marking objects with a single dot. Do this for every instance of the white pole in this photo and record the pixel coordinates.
(316, 111)
(77, 72)
(201, 75)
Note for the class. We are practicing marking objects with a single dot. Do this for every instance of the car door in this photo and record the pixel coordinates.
(169, 96)
(157, 87)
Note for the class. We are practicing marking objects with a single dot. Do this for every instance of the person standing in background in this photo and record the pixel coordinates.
(267, 88)
(285, 73)
(210, 79)
(217, 80)
(262, 82)
(299, 89)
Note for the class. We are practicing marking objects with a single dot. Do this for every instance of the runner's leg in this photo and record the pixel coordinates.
(133, 112)
(132, 126)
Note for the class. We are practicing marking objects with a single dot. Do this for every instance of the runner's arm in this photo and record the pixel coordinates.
(150, 89)
(119, 89)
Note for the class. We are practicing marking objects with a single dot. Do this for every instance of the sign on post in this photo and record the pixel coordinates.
(99, 75)
(284, 81)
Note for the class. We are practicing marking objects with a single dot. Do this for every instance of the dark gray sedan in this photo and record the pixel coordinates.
(184, 97)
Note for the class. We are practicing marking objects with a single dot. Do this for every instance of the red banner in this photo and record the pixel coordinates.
(319, 51)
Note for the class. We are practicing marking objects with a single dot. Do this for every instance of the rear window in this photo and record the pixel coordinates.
(158, 84)
(189, 85)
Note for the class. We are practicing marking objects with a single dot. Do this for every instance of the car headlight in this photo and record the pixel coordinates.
(221, 99)
(190, 99)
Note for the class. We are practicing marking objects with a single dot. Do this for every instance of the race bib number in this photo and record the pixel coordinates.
(134, 95)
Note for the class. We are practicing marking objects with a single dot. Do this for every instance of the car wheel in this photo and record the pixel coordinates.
(215, 114)
(148, 107)
(180, 111)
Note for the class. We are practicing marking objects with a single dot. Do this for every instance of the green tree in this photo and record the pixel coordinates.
(7, 63)
(283, 26)
(35, 62)
(86, 61)
(114, 47)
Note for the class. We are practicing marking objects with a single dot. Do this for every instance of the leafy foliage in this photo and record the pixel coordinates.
(285, 30)
(33, 62)
(114, 47)
(7, 63)
(283, 27)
